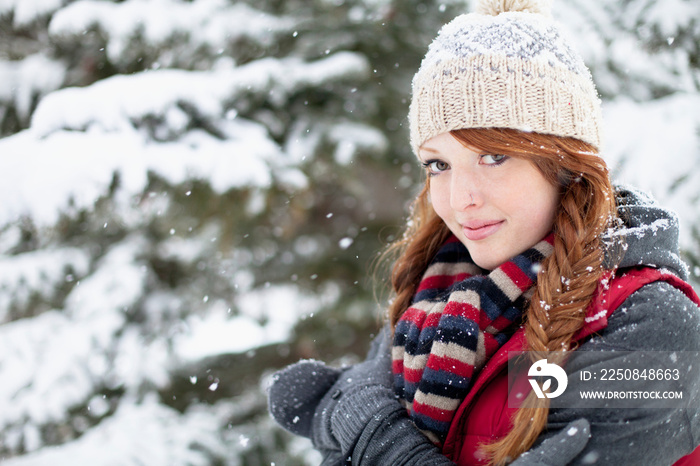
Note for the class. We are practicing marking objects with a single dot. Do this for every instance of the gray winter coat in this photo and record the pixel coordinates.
(657, 317)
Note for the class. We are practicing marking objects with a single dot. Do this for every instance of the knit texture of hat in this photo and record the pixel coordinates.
(504, 66)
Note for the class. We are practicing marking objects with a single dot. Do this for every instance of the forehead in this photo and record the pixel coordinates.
(444, 144)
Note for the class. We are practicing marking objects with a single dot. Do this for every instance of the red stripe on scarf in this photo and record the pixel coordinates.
(432, 412)
(500, 323)
(414, 316)
(451, 365)
(420, 319)
(465, 310)
(412, 375)
(521, 280)
(440, 281)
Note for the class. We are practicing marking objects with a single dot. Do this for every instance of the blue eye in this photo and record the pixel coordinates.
(436, 166)
(493, 159)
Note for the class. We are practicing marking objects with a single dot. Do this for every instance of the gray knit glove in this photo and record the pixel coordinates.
(356, 398)
(296, 392)
(308, 398)
(560, 449)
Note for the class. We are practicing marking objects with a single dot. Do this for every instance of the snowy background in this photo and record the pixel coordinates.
(193, 193)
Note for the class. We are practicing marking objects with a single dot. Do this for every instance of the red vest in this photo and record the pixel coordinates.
(484, 415)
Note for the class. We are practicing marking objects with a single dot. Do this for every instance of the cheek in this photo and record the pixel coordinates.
(531, 202)
(542, 210)
(440, 198)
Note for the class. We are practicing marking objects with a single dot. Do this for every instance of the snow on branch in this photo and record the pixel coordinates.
(138, 433)
(265, 316)
(38, 273)
(115, 286)
(81, 145)
(55, 362)
(209, 23)
(124, 100)
(641, 49)
(26, 11)
(78, 167)
(24, 80)
(50, 364)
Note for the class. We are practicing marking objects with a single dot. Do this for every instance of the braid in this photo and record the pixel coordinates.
(569, 277)
(565, 285)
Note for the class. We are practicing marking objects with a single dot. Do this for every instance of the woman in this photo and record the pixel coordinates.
(518, 242)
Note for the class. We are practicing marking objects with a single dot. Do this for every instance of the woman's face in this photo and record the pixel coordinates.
(498, 206)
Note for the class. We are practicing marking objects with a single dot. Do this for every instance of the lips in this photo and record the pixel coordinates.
(476, 230)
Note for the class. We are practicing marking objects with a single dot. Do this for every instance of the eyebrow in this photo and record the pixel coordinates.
(428, 149)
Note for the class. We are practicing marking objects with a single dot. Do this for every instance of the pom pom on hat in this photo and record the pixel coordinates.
(496, 7)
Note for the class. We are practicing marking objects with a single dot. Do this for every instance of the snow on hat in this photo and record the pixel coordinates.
(504, 66)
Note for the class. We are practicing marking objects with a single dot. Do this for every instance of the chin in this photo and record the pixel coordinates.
(487, 264)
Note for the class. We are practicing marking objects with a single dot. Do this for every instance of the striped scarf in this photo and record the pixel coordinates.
(457, 320)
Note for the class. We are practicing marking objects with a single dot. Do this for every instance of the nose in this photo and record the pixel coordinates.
(464, 191)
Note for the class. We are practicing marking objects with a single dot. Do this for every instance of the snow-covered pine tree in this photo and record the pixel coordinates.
(645, 59)
(185, 183)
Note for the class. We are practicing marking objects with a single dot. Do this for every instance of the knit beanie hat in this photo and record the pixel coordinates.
(504, 66)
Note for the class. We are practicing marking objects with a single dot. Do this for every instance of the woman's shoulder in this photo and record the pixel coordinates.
(656, 317)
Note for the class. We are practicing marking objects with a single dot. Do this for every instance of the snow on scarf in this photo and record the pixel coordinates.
(457, 320)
